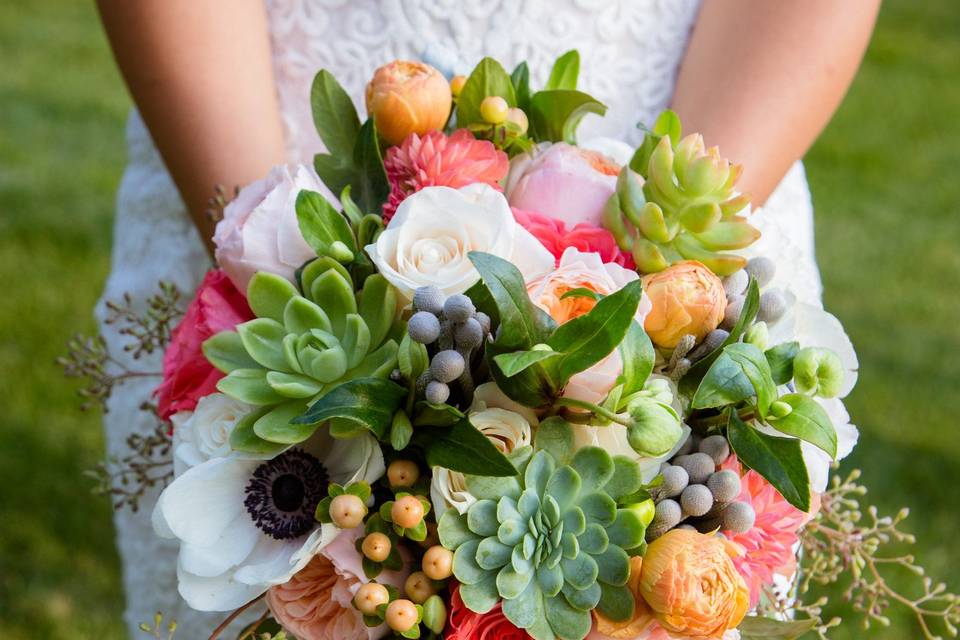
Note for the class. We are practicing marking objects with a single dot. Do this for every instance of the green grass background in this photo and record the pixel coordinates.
(887, 191)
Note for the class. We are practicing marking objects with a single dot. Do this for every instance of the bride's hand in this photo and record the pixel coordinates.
(201, 75)
(761, 79)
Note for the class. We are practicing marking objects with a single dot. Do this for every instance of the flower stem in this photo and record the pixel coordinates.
(233, 616)
(589, 406)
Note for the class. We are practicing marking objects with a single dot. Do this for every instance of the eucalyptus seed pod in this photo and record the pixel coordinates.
(772, 306)
(732, 313)
(423, 327)
(698, 466)
(762, 269)
(429, 299)
(716, 447)
(696, 500)
(736, 283)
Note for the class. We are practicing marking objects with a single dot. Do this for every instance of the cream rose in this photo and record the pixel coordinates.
(433, 230)
(205, 432)
(506, 423)
(259, 230)
(585, 270)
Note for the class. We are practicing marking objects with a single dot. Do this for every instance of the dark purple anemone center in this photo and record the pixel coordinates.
(283, 494)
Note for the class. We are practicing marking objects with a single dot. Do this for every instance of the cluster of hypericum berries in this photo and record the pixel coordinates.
(453, 330)
(384, 530)
(501, 123)
(695, 495)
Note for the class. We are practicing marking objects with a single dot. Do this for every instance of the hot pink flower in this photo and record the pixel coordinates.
(437, 160)
(554, 235)
(464, 624)
(769, 545)
(187, 375)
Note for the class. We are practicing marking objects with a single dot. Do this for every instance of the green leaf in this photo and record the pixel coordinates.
(638, 357)
(514, 362)
(754, 365)
(293, 385)
(808, 421)
(437, 415)
(556, 114)
(400, 431)
(370, 187)
(378, 306)
(488, 78)
(243, 438)
(334, 115)
(464, 448)
(588, 339)
(555, 436)
(779, 460)
(755, 628)
(263, 340)
(321, 225)
(337, 172)
(275, 426)
(225, 351)
(413, 358)
(521, 85)
(369, 401)
(780, 359)
(522, 323)
(268, 295)
(566, 621)
(666, 124)
(751, 305)
(565, 71)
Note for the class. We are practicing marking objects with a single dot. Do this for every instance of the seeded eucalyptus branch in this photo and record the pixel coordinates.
(149, 330)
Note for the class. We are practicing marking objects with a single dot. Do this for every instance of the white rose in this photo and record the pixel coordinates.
(428, 239)
(259, 230)
(205, 432)
(507, 428)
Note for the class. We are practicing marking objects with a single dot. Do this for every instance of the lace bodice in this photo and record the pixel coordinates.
(630, 51)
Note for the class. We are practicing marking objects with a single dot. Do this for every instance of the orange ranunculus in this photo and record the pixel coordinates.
(642, 619)
(408, 97)
(687, 298)
(690, 582)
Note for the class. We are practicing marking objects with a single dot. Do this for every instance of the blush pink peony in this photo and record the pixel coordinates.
(557, 238)
(438, 160)
(770, 544)
(317, 602)
(564, 182)
(585, 270)
(187, 375)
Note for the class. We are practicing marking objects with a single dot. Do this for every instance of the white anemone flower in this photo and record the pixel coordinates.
(246, 524)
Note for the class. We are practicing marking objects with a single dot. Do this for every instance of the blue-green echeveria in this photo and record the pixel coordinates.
(552, 543)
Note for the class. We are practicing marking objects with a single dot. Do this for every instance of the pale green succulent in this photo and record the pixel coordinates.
(552, 543)
(681, 206)
(301, 346)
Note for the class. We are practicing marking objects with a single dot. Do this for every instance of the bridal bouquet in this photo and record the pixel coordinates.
(469, 378)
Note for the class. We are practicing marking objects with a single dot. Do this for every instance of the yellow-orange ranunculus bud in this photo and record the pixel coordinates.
(407, 97)
(690, 583)
(687, 298)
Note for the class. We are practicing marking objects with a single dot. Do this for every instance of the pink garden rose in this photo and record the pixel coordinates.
(557, 238)
(585, 270)
(259, 230)
(187, 375)
(567, 183)
(438, 160)
(317, 602)
(464, 624)
(769, 545)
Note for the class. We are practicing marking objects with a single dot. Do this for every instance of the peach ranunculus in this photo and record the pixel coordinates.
(259, 230)
(567, 183)
(585, 270)
(438, 160)
(317, 601)
(691, 584)
(407, 97)
(687, 298)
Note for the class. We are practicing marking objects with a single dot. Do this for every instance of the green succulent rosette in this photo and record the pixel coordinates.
(303, 344)
(677, 201)
(552, 543)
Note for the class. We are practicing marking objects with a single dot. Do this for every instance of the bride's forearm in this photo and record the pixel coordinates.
(761, 79)
(201, 76)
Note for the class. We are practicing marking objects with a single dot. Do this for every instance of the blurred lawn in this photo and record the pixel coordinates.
(888, 217)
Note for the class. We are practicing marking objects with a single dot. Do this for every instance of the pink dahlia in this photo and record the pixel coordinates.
(438, 160)
(770, 544)
(587, 238)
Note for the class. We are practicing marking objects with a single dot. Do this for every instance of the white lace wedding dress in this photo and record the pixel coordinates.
(630, 50)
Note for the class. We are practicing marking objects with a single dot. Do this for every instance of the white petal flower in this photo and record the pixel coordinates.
(428, 239)
(245, 525)
(205, 432)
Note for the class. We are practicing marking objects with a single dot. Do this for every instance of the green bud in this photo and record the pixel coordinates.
(655, 427)
(645, 511)
(818, 371)
(758, 335)
(541, 347)
(341, 252)
(434, 614)
(780, 409)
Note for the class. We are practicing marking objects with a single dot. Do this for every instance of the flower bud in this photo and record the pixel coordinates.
(757, 335)
(656, 427)
(493, 109)
(687, 299)
(408, 97)
(435, 614)
(518, 119)
(780, 409)
(456, 85)
(818, 371)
